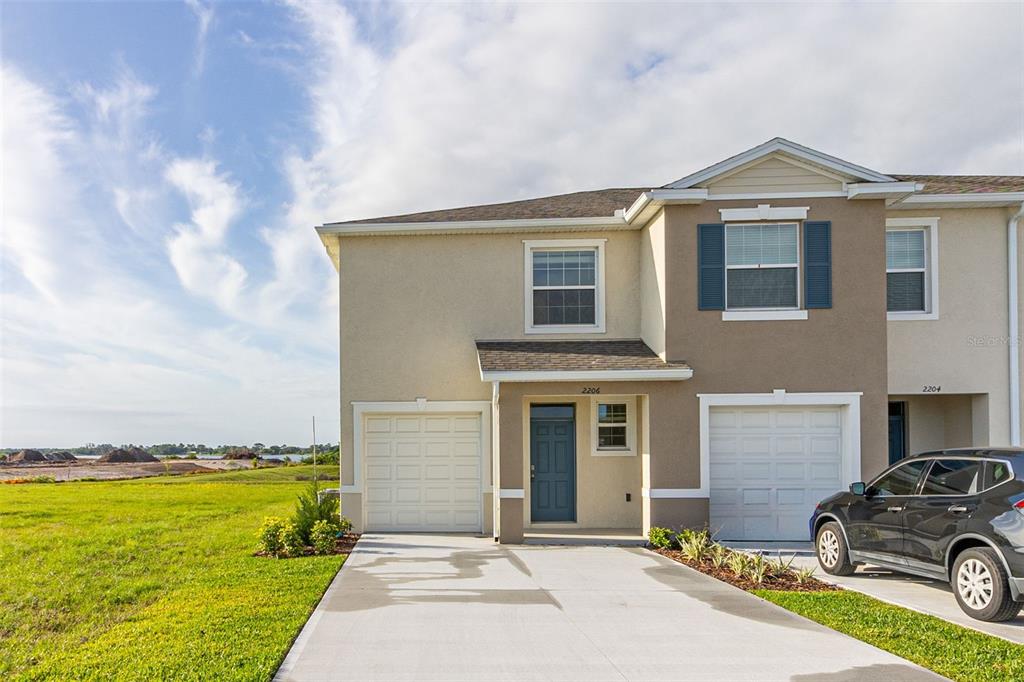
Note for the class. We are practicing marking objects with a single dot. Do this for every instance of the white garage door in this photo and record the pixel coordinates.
(769, 467)
(422, 472)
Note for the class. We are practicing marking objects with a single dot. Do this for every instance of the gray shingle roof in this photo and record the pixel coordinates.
(604, 202)
(541, 356)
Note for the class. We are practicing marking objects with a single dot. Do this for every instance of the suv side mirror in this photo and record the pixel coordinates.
(859, 488)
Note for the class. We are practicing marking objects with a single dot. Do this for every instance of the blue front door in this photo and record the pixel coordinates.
(552, 463)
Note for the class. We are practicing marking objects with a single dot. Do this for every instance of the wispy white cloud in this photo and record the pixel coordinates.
(204, 18)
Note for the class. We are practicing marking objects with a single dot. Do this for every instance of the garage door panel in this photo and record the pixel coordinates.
(423, 472)
(769, 466)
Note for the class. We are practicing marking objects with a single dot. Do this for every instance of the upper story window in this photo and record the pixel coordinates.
(911, 268)
(762, 266)
(564, 286)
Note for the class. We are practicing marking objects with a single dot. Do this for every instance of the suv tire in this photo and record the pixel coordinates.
(830, 546)
(980, 585)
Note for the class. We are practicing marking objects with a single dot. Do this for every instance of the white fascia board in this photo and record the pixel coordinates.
(892, 192)
(447, 227)
(591, 375)
(648, 202)
(764, 212)
(784, 146)
(993, 199)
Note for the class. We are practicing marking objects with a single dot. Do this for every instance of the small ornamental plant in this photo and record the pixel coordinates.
(659, 538)
(323, 536)
(291, 540)
(270, 536)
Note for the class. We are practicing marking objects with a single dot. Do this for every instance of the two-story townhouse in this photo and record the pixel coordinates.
(725, 349)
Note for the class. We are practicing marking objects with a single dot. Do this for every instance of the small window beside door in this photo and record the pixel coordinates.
(614, 426)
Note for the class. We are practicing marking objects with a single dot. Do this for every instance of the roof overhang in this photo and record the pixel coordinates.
(680, 374)
(612, 222)
(963, 200)
(892, 192)
(783, 146)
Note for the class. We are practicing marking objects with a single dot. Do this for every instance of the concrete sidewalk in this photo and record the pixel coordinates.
(431, 607)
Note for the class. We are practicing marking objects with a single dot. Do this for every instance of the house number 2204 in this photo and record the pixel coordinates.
(931, 389)
(591, 389)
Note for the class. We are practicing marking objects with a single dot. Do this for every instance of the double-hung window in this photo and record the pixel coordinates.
(614, 431)
(910, 256)
(762, 266)
(564, 286)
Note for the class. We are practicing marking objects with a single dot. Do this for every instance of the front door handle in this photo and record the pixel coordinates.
(895, 510)
(958, 509)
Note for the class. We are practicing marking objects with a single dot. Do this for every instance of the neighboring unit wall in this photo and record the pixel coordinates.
(411, 308)
(965, 350)
(840, 349)
(652, 284)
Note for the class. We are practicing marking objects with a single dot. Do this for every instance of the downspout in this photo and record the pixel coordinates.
(495, 462)
(1014, 327)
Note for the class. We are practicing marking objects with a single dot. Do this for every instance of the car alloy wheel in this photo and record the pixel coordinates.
(974, 582)
(828, 548)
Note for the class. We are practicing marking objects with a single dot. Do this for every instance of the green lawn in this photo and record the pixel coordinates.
(151, 579)
(300, 472)
(956, 652)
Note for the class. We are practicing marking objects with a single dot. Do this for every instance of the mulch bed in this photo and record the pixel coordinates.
(785, 582)
(342, 545)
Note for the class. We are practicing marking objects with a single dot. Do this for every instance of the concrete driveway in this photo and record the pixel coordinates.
(430, 607)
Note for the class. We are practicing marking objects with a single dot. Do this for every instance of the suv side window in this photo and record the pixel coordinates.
(900, 481)
(995, 473)
(953, 477)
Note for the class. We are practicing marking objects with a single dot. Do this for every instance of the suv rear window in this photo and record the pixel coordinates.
(995, 473)
(953, 477)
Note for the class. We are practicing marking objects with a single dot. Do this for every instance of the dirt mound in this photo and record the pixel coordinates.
(129, 455)
(242, 454)
(60, 457)
(26, 457)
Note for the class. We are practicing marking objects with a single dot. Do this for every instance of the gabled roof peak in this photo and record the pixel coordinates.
(780, 145)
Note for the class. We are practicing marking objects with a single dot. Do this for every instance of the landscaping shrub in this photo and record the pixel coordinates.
(270, 536)
(659, 538)
(292, 543)
(694, 544)
(344, 525)
(323, 536)
(311, 508)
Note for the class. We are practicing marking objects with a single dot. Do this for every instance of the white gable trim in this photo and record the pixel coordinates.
(780, 145)
(765, 212)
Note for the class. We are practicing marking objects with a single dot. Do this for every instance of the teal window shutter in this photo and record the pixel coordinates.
(818, 264)
(711, 266)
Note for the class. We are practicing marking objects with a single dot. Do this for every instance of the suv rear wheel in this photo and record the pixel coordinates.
(979, 582)
(830, 545)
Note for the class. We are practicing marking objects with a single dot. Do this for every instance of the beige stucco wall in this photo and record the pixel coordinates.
(840, 349)
(965, 350)
(652, 284)
(411, 308)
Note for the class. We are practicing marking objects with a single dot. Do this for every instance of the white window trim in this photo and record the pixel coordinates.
(630, 449)
(745, 311)
(766, 314)
(931, 279)
(531, 245)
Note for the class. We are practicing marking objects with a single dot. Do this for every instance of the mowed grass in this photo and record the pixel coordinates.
(150, 579)
(956, 652)
(298, 472)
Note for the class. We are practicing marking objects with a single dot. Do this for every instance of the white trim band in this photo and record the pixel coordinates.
(512, 494)
(673, 493)
(765, 212)
(740, 315)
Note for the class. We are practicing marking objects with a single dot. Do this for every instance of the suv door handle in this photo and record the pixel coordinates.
(895, 510)
(958, 509)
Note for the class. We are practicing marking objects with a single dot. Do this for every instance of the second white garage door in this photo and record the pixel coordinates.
(769, 467)
(423, 472)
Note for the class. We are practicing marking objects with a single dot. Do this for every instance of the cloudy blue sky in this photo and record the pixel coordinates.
(164, 164)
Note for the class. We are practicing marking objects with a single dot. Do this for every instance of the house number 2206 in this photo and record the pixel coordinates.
(591, 389)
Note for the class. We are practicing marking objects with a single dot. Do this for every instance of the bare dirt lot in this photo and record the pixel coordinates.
(107, 471)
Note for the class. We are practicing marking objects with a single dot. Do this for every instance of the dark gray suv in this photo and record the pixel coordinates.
(954, 515)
